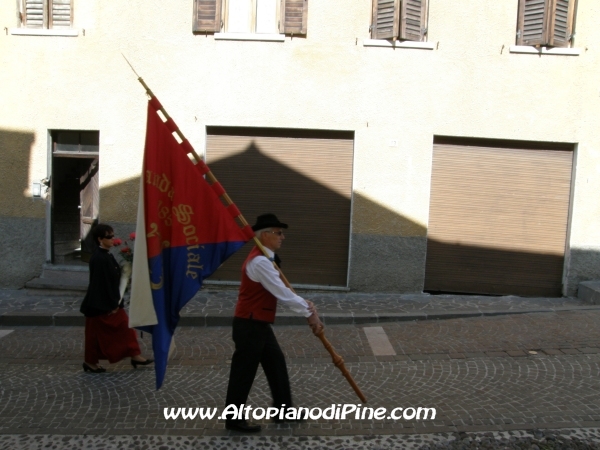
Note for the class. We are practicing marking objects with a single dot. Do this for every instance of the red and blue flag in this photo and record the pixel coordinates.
(188, 230)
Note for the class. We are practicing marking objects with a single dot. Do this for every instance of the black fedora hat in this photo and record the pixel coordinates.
(267, 221)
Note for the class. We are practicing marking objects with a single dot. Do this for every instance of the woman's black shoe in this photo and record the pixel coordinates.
(87, 368)
(135, 363)
(242, 426)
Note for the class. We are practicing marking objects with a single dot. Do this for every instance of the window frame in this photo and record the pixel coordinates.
(252, 19)
(400, 30)
(47, 16)
(292, 19)
(547, 36)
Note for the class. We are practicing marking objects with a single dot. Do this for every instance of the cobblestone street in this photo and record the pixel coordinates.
(498, 373)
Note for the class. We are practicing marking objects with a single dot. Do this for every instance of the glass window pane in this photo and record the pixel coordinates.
(67, 141)
(239, 16)
(77, 141)
(266, 16)
(90, 141)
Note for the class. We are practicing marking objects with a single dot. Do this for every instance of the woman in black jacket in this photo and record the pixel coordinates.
(107, 332)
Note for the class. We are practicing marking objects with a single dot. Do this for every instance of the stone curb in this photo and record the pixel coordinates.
(41, 318)
(568, 437)
(287, 430)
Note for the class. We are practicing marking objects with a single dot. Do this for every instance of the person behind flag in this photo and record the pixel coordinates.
(255, 343)
(107, 332)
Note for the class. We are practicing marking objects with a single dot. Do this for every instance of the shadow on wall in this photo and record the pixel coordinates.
(118, 206)
(22, 219)
(472, 269)
(119, 202)
(481, 270)
(15, 156)
(387, 250)
(316, 247)
(584, 266)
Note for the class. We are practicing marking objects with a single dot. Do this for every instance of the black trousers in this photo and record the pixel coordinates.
(255, 344)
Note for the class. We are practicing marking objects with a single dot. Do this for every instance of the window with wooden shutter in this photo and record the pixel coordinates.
(545, 22)
(413, 20)
(386, 19)
(251, 16)
(399, 19)
(207, 16)
(47, 13)
(60, 14)
(294, 16)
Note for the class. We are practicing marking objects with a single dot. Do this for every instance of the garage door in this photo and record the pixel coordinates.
(498, 218)
(302, 176)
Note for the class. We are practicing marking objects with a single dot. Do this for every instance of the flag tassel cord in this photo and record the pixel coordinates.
(337, 360)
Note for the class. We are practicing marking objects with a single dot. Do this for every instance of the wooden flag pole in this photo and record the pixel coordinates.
(337, 359)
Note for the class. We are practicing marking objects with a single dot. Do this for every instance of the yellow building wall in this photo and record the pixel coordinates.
(469, 85)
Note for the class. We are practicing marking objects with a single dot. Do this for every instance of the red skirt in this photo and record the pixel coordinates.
(109, 337)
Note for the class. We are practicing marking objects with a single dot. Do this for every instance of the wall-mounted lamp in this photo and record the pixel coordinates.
(36, 190)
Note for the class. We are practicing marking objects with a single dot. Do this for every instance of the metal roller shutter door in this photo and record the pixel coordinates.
(498, 220)
(305, 178)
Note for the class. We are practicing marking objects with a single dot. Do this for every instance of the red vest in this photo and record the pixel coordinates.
(254, 301)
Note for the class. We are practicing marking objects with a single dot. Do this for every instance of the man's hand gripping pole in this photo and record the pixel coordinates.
(337, 360)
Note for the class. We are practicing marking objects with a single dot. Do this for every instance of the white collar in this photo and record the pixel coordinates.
(270, 252)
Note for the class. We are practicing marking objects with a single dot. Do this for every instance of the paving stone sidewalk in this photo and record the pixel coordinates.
(214, 307)
(499, 373)
(499, 365)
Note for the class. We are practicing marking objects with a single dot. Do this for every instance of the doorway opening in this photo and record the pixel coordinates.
(75, 195)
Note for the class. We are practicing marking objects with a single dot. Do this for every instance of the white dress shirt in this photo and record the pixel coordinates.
(261, 270)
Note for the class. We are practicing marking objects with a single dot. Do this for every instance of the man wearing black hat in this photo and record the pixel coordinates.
(255, 343)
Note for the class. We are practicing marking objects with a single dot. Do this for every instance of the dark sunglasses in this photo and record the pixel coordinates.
(110, 236)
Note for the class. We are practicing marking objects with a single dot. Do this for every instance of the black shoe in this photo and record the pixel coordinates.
(135, 363)
(87, 368)
(242, 426)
